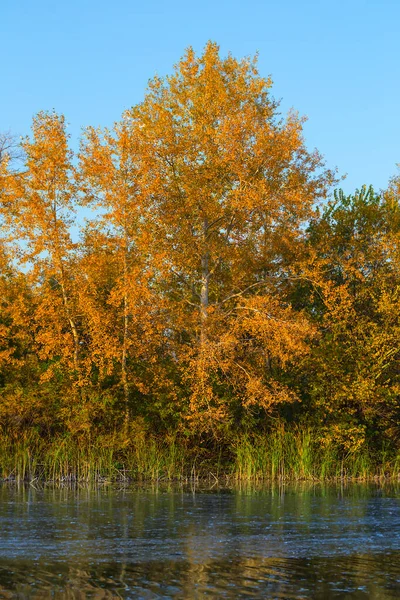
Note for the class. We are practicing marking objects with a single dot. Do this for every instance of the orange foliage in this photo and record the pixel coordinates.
(196, 296)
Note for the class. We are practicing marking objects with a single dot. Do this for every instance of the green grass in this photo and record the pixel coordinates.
(116, 457)
(297, 454)
(283, 455)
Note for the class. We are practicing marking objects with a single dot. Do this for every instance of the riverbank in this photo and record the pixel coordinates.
(282, 455)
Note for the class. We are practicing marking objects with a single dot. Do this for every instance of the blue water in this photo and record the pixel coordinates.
(275, 542)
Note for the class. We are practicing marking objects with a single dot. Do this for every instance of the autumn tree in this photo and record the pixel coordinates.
(355, 365)
(19, 366)
(37, 212)
(229, 184)
(119, 300)
(9, 333)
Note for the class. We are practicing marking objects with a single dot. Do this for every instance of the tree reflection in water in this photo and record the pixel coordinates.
(293, 542)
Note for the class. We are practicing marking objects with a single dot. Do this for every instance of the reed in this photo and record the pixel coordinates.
(297, 454)
(282, 455)
(104, 457)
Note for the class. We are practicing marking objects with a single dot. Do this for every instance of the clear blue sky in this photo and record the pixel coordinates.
(338, 62)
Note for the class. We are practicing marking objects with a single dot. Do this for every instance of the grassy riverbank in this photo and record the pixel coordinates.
(280, 455)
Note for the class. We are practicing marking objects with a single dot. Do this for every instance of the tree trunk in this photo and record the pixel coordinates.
(58, 262)
(71, 321)
(205, 279)
(124, 372)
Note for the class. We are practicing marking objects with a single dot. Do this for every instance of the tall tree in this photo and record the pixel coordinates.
(38, 213)
(229, 184)
(124, 313)
(354, 368)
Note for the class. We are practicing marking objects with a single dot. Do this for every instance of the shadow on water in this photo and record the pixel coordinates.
(303, 541)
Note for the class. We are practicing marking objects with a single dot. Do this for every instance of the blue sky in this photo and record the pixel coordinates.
(336, 62)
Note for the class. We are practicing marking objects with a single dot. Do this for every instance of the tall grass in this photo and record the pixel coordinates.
(103, 458)
(297, 454)
(285, 454)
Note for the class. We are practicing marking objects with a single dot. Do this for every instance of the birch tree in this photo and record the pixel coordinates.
(229, 184)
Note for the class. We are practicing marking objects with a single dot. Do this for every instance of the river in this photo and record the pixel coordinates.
(293, 541)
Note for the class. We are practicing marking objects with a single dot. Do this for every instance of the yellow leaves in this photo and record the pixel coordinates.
(356, 360)
(258, 394)
(245, 353)
(40, 213)
(347, 436)
(281, 331)
(178, 297)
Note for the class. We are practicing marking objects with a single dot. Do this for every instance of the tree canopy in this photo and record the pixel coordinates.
(219, 284)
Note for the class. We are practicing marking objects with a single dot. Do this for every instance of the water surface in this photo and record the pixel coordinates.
(276, 542)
